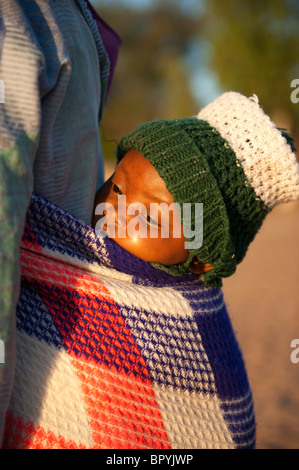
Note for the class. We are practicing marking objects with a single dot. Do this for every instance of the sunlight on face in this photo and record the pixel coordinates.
(136, 187)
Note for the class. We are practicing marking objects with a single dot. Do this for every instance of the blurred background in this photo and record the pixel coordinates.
(176, 56)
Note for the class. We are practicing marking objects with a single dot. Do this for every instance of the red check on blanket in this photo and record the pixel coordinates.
(113, 353)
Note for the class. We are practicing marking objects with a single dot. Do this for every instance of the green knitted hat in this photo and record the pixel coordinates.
(231, 158)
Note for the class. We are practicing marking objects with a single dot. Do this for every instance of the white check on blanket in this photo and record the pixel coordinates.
(114, 353)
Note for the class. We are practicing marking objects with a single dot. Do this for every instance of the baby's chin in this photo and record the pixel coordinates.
(151, 251)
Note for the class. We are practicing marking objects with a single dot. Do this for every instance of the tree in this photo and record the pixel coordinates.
(151, 79)
(255, 49)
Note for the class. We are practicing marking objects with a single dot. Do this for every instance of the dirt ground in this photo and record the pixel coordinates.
(263, 301)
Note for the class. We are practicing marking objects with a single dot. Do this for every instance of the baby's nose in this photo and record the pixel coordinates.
(121, 211)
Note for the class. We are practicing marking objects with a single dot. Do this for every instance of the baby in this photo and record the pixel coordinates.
(135, 344)
(139, 183)
(231, 159)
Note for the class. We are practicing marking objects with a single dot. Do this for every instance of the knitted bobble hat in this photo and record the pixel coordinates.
(233, 160)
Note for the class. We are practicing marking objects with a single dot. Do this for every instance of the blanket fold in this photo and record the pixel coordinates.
(115, 354)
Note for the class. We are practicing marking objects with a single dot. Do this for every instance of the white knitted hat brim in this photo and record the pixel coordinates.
(267, 159)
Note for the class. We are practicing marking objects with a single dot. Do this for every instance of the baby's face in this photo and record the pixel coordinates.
(136, 181)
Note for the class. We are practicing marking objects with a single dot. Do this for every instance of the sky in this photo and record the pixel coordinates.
(140, 4)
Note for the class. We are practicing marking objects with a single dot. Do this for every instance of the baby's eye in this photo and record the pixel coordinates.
(152, 221)
(116, 189)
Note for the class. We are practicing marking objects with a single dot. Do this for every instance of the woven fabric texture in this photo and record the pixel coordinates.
(114, 353)
(268, 161)
(233, 160)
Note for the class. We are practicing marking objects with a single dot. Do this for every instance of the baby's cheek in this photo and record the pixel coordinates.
(172, 251)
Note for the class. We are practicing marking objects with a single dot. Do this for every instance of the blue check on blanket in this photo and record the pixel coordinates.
(113, 353)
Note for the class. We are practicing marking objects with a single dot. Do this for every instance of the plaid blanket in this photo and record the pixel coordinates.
(113, 353)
